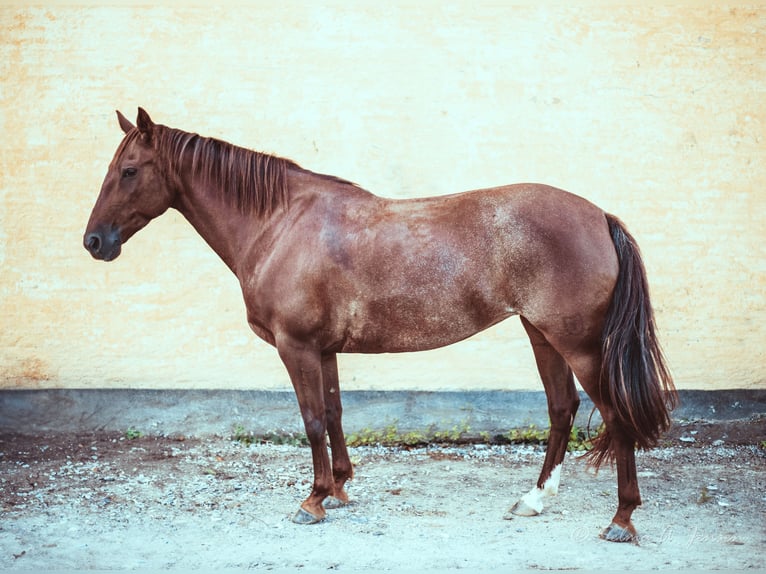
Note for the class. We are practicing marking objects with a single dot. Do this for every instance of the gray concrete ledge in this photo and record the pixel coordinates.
(218, 412)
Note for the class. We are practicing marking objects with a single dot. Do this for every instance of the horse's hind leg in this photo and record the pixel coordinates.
(342, 468)
(616, 444)
(621, 528)
(563, 401)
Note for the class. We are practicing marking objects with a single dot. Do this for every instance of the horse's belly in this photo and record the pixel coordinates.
(403, 324)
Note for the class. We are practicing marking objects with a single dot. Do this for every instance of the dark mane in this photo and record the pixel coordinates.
(252, 181)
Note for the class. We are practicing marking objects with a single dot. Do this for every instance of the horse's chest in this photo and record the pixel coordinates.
(261, 331)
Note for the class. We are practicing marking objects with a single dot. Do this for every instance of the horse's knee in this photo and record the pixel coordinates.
(316, 429)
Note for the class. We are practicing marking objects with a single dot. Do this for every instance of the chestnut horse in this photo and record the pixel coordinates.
(327, 267)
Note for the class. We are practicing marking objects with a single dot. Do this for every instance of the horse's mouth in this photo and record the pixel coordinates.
(114, 253)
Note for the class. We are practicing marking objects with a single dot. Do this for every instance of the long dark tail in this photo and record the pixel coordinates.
(633, 369)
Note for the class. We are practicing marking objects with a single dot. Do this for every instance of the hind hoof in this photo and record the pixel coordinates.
(331, 503)
(305, 517)
(521, 508)
(616, 533)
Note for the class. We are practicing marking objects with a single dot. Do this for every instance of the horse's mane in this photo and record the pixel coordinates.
(252, 181)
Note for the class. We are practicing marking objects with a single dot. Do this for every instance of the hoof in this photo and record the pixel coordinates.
(305, 517)
(616, 533)
(521, 508)
(331, 503)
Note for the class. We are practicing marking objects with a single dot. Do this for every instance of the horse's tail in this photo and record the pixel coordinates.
(635, 379)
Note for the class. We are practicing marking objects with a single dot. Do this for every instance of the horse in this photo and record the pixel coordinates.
(327, 267)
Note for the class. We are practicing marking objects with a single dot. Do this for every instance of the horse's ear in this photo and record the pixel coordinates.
(145, 124)
(124, 122)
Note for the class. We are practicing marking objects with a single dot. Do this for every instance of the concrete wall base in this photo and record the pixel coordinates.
(218, 412)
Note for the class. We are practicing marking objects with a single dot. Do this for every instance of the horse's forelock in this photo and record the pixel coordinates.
(129, 138)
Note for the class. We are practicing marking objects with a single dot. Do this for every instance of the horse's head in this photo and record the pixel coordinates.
(134, 191)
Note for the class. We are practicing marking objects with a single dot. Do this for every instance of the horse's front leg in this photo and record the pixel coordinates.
(304, 365)
(342, 468)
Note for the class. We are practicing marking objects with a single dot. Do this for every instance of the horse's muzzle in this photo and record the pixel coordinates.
(103, 244)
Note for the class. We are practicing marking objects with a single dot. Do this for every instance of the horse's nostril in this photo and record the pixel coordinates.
(93, 242)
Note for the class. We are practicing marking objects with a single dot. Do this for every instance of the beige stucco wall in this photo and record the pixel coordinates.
(656, 114)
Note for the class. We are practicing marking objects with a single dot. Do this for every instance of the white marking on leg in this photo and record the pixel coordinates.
(534, 498)
(551, 486)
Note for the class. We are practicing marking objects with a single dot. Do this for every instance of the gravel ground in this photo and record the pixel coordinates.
(104, 501)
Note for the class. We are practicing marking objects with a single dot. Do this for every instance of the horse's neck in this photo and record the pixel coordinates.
(223, 227)
(230, 233)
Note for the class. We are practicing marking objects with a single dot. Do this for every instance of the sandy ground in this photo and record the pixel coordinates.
(104, 501)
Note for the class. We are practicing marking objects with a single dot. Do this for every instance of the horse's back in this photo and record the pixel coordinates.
(549, 252)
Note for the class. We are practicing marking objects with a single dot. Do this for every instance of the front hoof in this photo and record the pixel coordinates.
(305, 517)
(616, 533)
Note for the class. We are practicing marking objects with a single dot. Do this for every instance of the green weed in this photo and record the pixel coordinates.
(529, 435)
(241, 435)
(582, 439)
(579, 439)
(391, 435)
(704, 496)
(388, 436)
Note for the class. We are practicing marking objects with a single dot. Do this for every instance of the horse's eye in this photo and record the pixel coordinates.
(129, 172)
